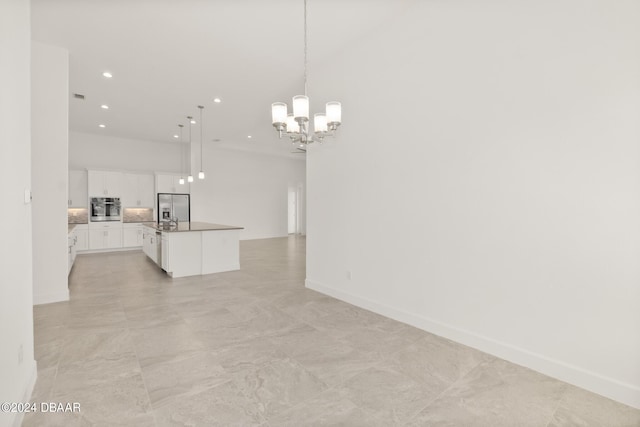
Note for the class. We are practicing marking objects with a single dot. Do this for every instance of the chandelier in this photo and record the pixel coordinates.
(296, 124)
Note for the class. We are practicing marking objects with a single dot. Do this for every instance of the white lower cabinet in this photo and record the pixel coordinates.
(82, 237)
(150, 244)
(105, 236)
(166, 253)
(132, 235)
(73, 246)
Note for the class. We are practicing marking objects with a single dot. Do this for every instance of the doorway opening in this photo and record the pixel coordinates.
(295, 210)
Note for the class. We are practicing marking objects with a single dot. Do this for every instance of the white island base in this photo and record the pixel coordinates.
(193, 249)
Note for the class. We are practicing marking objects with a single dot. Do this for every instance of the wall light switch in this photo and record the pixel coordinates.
(27, 197)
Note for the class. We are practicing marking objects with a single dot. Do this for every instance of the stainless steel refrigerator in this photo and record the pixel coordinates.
(173, 206)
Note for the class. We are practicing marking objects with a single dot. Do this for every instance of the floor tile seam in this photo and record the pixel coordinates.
(306, 401)
(558, 403)
(447, 388)
(249, 396)
(144, 382)
(169, 402)
(53, 383)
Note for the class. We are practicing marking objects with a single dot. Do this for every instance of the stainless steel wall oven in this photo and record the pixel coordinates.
(105, 209)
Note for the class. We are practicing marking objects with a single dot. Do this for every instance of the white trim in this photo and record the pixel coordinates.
(49, 298)
(626, 393)
(26, 395)
(100, 251)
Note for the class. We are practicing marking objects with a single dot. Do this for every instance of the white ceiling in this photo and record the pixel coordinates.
(169, 56)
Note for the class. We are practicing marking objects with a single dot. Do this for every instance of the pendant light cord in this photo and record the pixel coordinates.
(190, 126)
(305, 47)
(201, 153)
(181, 153)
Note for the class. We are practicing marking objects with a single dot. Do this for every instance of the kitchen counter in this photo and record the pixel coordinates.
(193, 248)
(192, 226)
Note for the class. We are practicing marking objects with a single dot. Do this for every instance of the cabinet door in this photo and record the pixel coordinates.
(114, 238)
(164, 184)
(129, 237)
(74, 247)
(166, 254)
(78, 197)
(97, 239)
(96, 184)
(81, 243)
(113, 184)
(146, 191)
(129, 196)
(153, 248)
(139, 236)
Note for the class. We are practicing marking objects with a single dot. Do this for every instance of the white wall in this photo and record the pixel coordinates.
(16, 314)
(495, 201)
(49, 171)
(241, 188)
(88, 150)
(246, 189)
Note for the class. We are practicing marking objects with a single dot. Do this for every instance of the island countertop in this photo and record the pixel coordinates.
(192, 226)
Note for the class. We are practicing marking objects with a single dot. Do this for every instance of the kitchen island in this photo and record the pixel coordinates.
(193, 248)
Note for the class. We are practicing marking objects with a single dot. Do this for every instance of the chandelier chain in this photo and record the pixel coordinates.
(305, 47)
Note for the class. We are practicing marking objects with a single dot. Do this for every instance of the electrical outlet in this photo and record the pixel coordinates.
(20, 355)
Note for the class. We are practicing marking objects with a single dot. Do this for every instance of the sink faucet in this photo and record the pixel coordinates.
(173, 221)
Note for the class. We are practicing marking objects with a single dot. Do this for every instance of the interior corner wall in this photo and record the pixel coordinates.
(17, 364)
(485, 182)
(248, 190)
(49, 171)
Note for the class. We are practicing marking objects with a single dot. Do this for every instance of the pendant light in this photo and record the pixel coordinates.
(181, 181)
(201, 173)
(189, 177)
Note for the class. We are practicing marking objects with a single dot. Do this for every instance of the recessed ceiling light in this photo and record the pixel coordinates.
(102, 126)
(107, 74)
(217, 100)
(301, 145)
(249, 136)
(175, 136)
(104, 107)
(193, 122)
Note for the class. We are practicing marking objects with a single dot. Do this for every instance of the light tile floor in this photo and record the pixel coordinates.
(255, 347)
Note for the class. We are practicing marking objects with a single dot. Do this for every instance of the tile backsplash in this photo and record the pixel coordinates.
(137, 215)
(78, 215)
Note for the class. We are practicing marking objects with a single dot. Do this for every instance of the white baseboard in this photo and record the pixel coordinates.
(626, 393)
(26, 395)
(101, 251)
(49, 298)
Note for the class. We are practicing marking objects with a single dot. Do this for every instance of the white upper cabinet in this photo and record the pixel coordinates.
(146, 188)
(78, 196)
(138, 190)
(130, 190)
(166, 183)
(105, 184)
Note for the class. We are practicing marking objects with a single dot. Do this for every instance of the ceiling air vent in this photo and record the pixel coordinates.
(78, 96)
